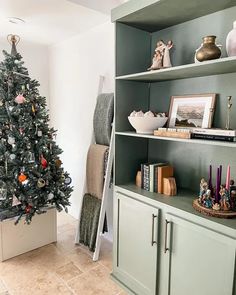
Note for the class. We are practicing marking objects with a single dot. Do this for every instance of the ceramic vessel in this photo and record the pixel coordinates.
(209, 50)
(231, 41)
(147, 125)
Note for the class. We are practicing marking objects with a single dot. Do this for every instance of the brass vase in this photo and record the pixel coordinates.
(209, 50)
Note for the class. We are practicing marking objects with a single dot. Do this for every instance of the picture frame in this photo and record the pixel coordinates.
(192, 111)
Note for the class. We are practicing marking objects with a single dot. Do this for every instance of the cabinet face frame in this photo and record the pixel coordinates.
(149, 240)
(172, 220)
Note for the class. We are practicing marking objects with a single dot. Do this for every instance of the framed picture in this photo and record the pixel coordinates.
(192, 111)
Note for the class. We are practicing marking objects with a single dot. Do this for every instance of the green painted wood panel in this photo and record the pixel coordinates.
(181, 205)
(136, 256)
(155, 15)
(201, 261)
(132, 50)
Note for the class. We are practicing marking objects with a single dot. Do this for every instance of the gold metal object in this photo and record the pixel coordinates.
(229, 106)
(209, 50)
(166, 228)
(153, 219)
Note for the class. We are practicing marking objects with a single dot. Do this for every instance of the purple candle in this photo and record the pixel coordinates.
(210, 178)
(220, 178)
(217, 186)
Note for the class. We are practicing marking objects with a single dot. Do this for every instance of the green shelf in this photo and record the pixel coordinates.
(153, 15)
(192, 141)
(208, 68)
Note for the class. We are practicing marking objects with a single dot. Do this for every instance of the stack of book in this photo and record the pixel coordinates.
(152, 175)
(214, 134)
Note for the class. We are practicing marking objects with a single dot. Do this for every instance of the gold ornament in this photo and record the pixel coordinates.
(58, 163)
(41, 183)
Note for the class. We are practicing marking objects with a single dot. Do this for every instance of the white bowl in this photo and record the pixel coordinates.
(147, 125)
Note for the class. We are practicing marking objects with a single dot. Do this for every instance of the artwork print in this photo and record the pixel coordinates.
(194, 111)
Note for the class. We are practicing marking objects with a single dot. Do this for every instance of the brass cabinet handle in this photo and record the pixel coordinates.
(166, 229)
(153, 219)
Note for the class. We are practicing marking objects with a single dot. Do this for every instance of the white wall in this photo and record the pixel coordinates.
(75, 66)
(36, 60)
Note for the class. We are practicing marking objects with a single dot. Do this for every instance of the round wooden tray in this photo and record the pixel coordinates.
(213, 213)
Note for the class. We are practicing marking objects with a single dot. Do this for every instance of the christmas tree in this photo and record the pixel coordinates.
(31, 174)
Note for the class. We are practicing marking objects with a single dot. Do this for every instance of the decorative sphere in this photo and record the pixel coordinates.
(22, 177)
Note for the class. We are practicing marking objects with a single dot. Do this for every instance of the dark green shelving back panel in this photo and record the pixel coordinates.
(133, 49)
(187, 37)
(129, 96)
(191, 161)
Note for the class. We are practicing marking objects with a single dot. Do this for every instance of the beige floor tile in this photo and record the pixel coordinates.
(59, 267)
(66, 241)
(43, 284)
(96, 281)
(81, 259)
(105, 257)
(48, 258)
(68, 271)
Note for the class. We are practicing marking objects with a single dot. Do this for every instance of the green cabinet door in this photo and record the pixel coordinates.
(199, 261)
(136, 244)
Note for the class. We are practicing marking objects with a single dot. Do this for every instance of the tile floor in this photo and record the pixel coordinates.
(59, 268)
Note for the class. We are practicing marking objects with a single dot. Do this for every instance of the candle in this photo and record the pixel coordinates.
(210, 178)
(220, 178)
(217, 186)
(228, 178)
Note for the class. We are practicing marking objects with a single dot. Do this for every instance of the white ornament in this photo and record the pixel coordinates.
(149, 114)
(139, 114)
(133, 114)
(161, 115)
(12, 156)
(231, 41)
(40, 133)
(50, 196)
(15, 201)
(11, 140)
(1, 103)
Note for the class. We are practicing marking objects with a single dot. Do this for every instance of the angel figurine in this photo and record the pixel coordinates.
(161, 58)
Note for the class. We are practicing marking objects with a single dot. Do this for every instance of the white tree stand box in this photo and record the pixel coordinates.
(21, 238)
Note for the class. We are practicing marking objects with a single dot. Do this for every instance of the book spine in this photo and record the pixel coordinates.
(213, 137)
(151, 178)
(216, 132)
(146, 177)
(142, 175)
(155, 179)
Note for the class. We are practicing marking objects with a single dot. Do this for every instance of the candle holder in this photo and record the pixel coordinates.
(218, 201)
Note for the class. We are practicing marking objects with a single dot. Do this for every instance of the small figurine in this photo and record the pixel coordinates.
(203, 190)
(224, 201)
(208, 199)
(161, 58)
(157, 61)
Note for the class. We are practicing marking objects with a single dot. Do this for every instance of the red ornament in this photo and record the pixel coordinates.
(28, 208)
(44, 162)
